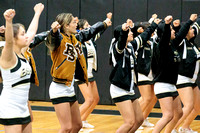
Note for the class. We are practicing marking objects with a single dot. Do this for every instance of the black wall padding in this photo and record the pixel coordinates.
(135, 10)
(4, 5)
(165, 7)
(93, 11)
(189, 7)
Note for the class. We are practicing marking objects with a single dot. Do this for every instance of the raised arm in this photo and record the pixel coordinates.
(165, 38)
(145, 36)
(109, 23)
(32, 29)
(184, 30)
(148, 32)
(54, 38)
(8, 58)
(87, 34)
(123, 34)
(153, 17)
(196, 27)
(176, 25)
(38, 39)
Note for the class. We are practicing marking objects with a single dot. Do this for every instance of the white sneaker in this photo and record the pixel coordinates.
(186, 130)
(193, 131)
(174, 131)
(87, 125)
(146, 123)
(86, 130)
(141, 128)
(183, 130)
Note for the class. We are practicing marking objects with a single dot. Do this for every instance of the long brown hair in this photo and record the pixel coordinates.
(64, 19)
(16, 29)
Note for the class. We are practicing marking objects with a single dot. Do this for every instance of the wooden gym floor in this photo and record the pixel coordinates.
(106, 119)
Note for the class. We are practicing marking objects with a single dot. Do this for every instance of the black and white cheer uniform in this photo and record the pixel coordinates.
(14, 97)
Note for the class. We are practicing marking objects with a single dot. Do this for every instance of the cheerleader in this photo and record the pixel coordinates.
(67, 56)
(16, 72)
(38, 39)
(90, 91)
(188, 71)
(123, 77)
(167, 59)
(145, 77)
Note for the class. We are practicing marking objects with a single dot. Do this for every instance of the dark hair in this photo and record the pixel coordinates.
(64, 18)
(145, 25)
(117, 31)
(16, 29)
(81, 23)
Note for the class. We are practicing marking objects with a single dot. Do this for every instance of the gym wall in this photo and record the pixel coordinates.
(93, 11)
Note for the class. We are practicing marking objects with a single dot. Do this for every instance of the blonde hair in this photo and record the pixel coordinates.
(64, 19)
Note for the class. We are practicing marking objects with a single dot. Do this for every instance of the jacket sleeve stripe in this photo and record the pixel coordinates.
(139, 42)
(196, 26)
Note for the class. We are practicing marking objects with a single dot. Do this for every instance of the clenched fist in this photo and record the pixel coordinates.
(176, 22)
(55, 26)
(109, 15)
(9, 15)
(125, 27)
(168, 19)
(193, 17)
(38, 8)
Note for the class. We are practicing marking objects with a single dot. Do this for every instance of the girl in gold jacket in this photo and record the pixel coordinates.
(68, 63)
